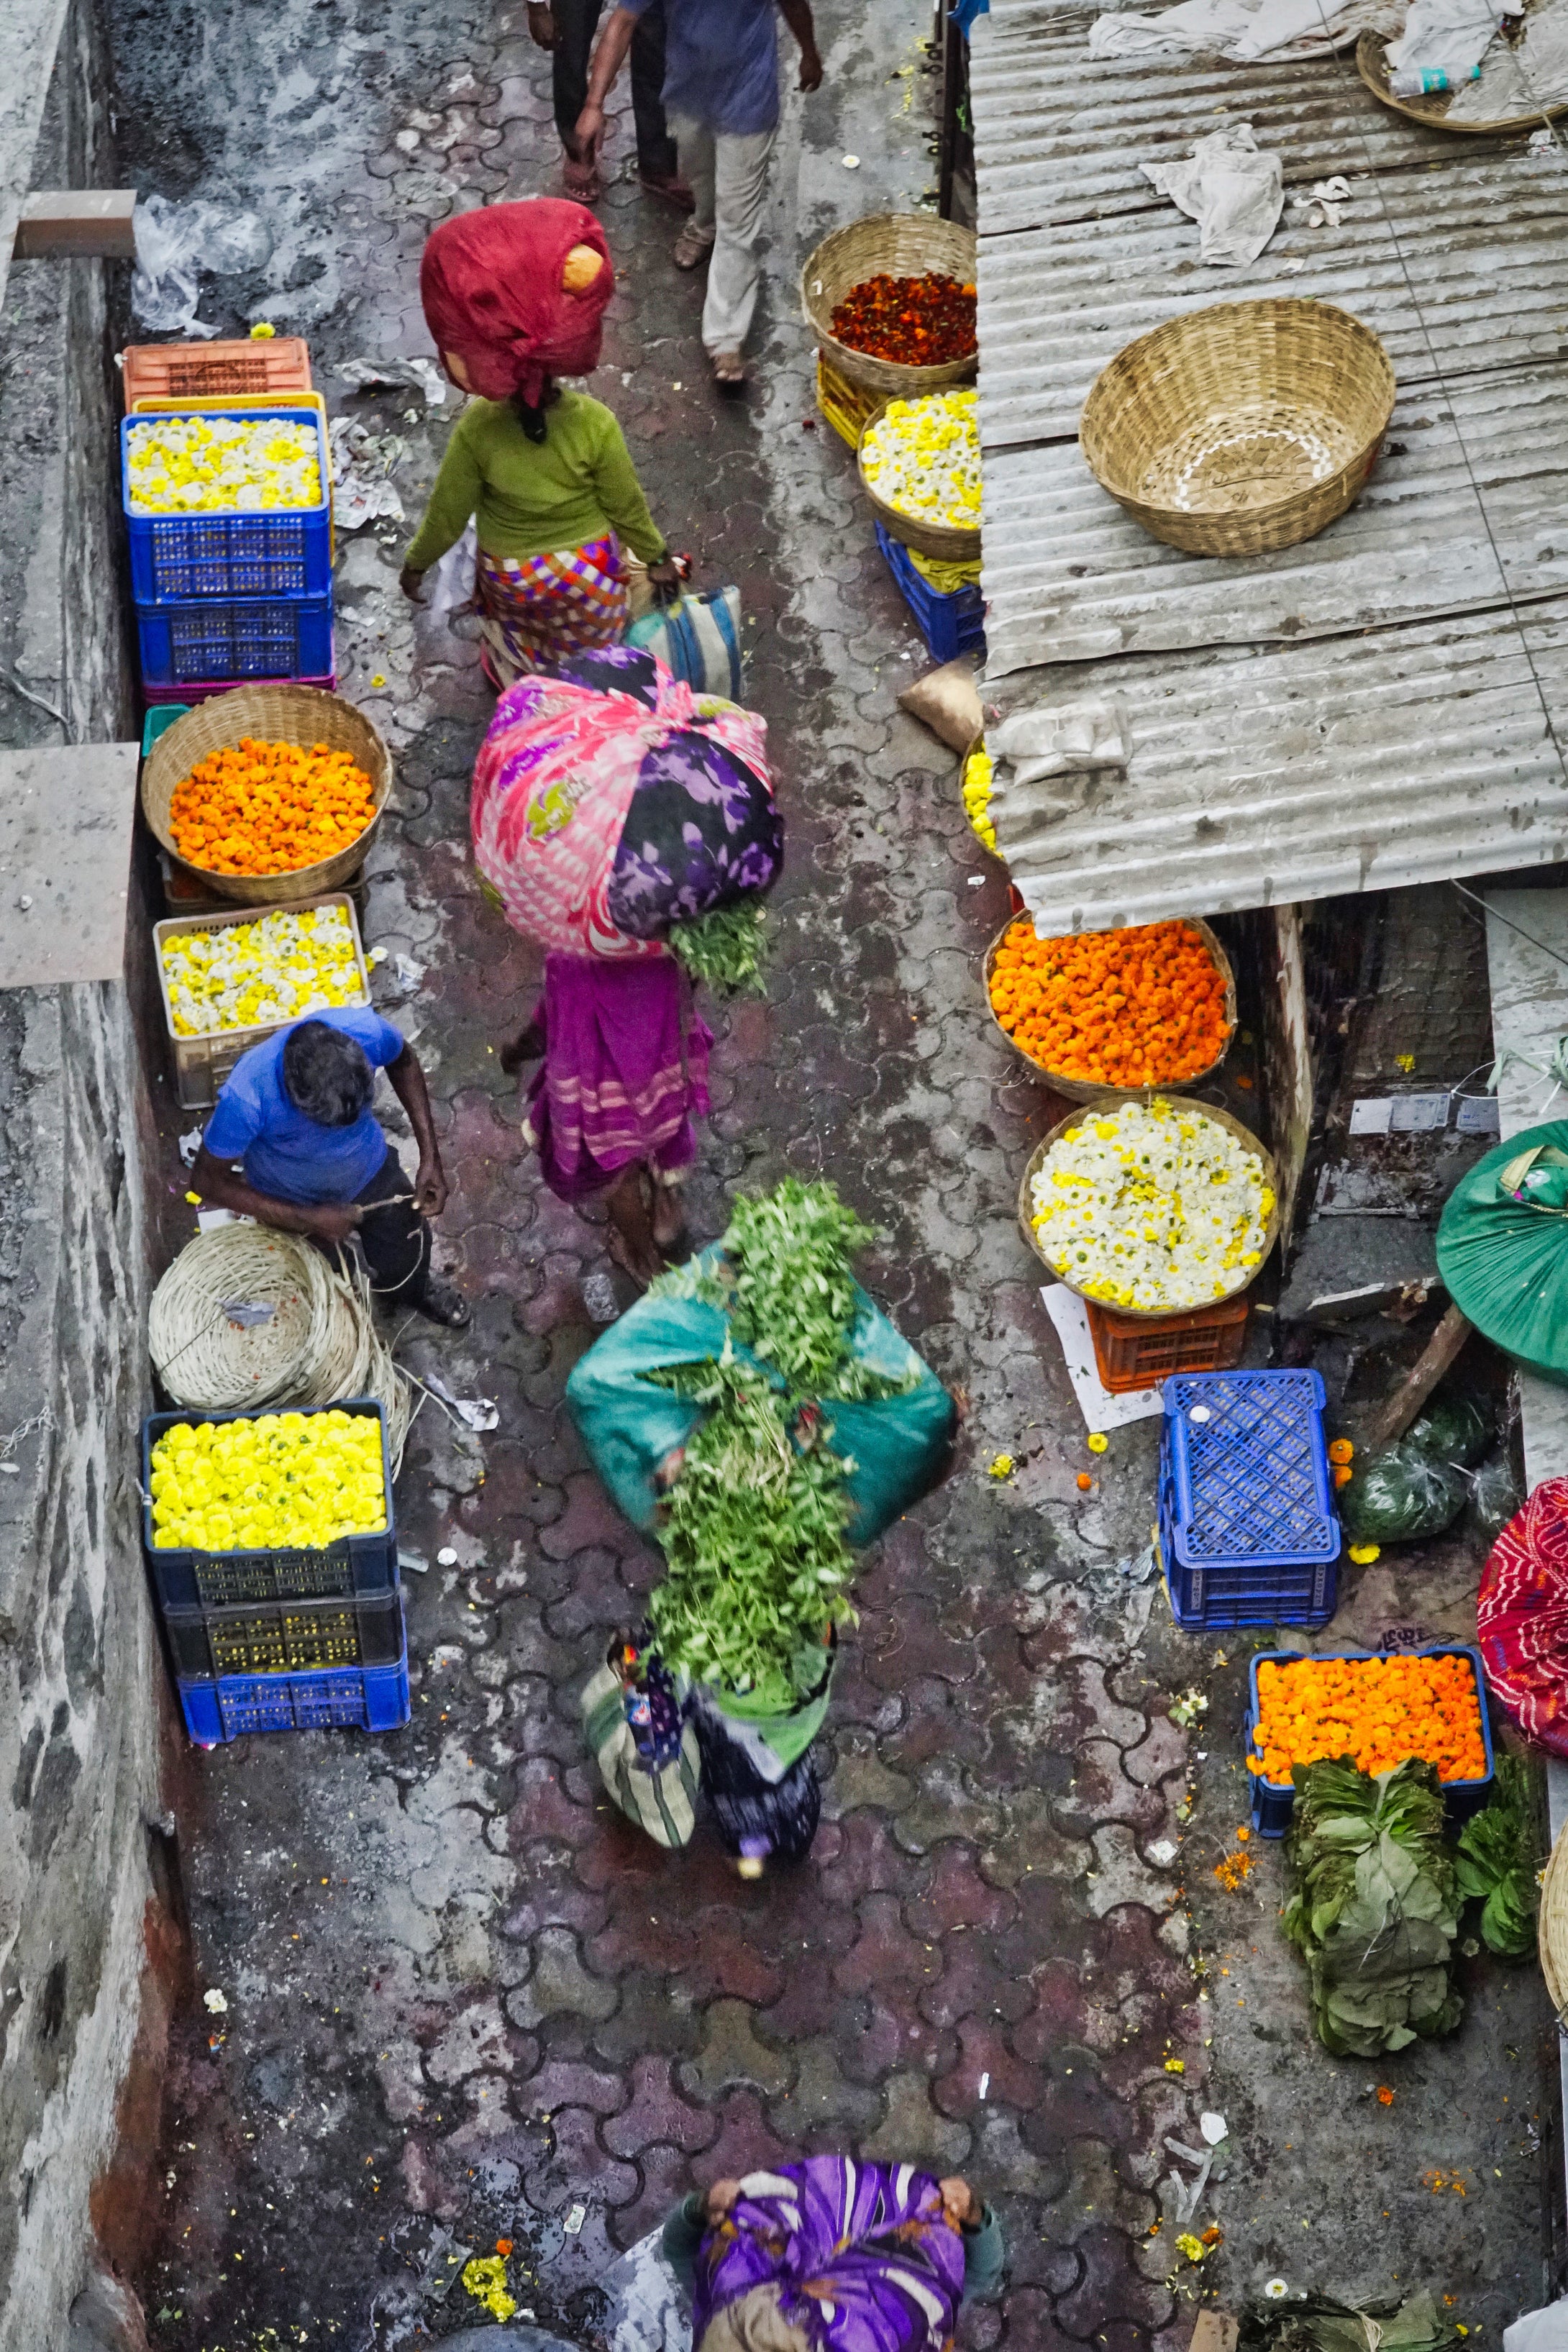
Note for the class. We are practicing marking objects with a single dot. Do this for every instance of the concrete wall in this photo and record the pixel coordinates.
(82, 1853)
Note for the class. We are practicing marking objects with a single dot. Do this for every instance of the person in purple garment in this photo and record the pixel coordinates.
(832, 2255)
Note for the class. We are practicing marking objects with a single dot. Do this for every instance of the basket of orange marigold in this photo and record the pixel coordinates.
(1145, 1009)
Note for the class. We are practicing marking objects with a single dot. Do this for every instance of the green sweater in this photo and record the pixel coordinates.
(531, 498)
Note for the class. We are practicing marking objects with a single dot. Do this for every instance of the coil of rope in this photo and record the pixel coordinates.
(246, 1318)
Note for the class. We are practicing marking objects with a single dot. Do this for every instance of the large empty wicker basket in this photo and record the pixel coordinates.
(895, 245)
(288, 714)
(1240, 428)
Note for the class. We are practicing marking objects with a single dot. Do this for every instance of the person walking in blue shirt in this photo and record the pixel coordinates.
(294, 1112)
(721, 99)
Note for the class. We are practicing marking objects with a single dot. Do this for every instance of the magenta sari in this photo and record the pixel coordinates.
(625, 1071)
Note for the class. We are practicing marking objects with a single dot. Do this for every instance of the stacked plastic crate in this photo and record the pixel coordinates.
(225, 599)
(1247, 1530)
(285, 1639)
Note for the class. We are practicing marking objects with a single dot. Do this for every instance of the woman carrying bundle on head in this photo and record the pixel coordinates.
(514, 295)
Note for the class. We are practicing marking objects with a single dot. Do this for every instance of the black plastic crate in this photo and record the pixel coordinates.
(286, 1637)
(354, 1565)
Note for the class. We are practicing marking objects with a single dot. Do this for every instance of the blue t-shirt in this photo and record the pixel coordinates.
(721, 61)
(286, 1154)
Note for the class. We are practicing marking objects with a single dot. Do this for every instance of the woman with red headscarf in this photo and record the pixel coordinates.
(515, 295)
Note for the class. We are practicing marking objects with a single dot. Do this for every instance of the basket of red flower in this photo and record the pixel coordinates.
(892, 302)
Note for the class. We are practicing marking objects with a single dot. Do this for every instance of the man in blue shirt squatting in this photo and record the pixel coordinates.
(294, 1112)
(722, 98)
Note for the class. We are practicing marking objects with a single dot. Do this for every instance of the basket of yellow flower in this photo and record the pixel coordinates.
(920, 467)
(1151, 1208)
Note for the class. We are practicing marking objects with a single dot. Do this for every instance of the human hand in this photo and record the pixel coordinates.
(959, 2208)
(540, 24)
(590, 132)
(721, 2199)
(665, 577)
(408, 579)
(810, 68)
(333, 1221)
(430, 1187)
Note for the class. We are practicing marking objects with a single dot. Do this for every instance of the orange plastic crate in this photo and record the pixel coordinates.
(214, 371)
(1132, 1351)
(844, 404)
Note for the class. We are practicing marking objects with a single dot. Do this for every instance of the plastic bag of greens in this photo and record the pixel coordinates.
(1400, 1493)
(1454, 1428)
(1319, 2323)
(1496, 1494)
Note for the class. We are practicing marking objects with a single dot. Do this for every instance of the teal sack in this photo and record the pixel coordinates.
(628, 1424)
(1502, 1248)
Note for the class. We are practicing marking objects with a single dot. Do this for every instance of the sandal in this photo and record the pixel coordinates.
(693, 247)
(669, 187)
(582, 183)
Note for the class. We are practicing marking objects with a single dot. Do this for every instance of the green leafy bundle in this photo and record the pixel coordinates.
(752, 1533)
(726, 948)
(792, 1295)
(1373, 1909)
(1496, 1864)
(1321, 2323)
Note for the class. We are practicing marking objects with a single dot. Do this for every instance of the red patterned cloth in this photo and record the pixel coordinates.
(490, 285)
(1522, 1616)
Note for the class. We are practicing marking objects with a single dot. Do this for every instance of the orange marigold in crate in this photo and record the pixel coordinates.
(1377, 1711)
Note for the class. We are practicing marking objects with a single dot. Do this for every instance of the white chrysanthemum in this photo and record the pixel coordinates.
(253, 975)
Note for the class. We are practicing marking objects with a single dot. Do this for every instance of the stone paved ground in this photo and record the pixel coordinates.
(463, 1998)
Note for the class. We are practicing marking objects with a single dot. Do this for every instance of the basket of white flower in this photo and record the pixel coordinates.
(1151, 1208)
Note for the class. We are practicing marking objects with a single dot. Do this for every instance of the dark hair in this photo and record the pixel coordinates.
(533, 419)
(326, 1074)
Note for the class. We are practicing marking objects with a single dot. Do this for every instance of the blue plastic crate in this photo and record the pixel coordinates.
(231, 640)
(951, 625)
(359, 1565)
(1247, 1463)
(1252, 1594)
(285, 1637)
(369, 1698)
(285, 552)
(1273, 1802)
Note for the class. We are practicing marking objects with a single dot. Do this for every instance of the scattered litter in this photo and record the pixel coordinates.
(985, 2084)
(415, 1562)
(599, 1298)
(1182, 2200)
(1163, 1853)
(1443, 43)
(209, 1220)
(246, 1314)
(1324, 202)
(1143, 1566)
(1232, 188)
(1100, 1408)
(1213, 2128)
(485, 2278)
(409, 974)
(175, 243)
(387, 375)
(190, 1144)
(1292, 269)
(215, 2000)
(475, 1412)
(1242, 29)
(1002, 1465)
(575, 2220)
(446, 1557)
(362, 463)
(1186, 1710)
(1194, 2248)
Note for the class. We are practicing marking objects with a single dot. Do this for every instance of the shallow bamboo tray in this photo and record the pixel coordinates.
(1372, 64)
(896, 245)
(1552, 1933)
(1085, 1090)
(290, 714)
(947, 540)
(1103, 1103)
(1208, 430)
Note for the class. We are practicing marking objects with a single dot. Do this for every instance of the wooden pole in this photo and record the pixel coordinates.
(1396, 1413)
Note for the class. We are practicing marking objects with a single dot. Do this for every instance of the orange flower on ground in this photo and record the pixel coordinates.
(1385, 2095)
(254, 807)
(1377, 1711)
(1143, 1007)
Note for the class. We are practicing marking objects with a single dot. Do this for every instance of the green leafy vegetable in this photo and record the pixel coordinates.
(1374, 1903)
(726, 948)
(1400, 1493)
(1497, 1862)
(793, 1295)
(1321, 2323)
(752, 1531)
(1454, 1427)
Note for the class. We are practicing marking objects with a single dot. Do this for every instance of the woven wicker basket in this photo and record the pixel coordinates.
(1246, 426)
(1084, 1090)
(288, 714)
(938, 539)
(1552, 1931)
(1372, 64)
(1104, 1103)
(895, 245)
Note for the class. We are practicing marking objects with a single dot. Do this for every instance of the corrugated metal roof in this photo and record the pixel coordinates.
(1302, 771)
(1265, 767)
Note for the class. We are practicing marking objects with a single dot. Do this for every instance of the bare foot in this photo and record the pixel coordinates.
(729, 371)
(630, 1240)
(668, 1215)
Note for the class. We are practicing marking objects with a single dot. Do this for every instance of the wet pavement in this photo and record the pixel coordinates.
(465, 2001)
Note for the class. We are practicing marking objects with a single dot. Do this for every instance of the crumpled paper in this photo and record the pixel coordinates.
(362, 463)
(1233, 189)
(1238, 30)
(390, 375)
(1323, 205)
